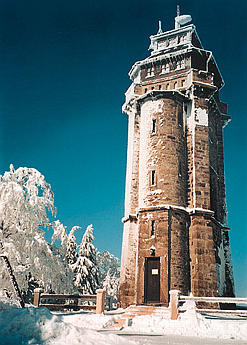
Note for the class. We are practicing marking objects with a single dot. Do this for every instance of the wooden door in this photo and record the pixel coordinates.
(152, 280)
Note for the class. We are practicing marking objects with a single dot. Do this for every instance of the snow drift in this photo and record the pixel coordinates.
(40, 327)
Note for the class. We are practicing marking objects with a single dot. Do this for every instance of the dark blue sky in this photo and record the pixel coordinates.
(63, 72)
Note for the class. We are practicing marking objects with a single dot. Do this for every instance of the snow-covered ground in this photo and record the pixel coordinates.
(38, 326)
(41, 327)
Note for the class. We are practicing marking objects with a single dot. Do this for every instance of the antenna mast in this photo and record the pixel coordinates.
(160, 28)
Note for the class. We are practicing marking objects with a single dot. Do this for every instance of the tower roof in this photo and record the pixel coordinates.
(171, 43)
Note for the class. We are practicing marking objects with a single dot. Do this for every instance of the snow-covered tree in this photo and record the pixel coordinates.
(107, 262)
(71, 246)
(111, 284)
(109, 274)
(85, 269)
(26, 202)
(59, 233)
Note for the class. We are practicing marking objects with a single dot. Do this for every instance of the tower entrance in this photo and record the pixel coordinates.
(152, 280)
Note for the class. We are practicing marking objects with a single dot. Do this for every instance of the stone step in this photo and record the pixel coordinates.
(134, 310)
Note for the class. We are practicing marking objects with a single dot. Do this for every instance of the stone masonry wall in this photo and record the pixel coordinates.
(128, 264)
(179, 251)
(163, 152)
(130, 233)
(203, 266)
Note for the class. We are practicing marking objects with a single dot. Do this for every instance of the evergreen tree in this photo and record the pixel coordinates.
(86, 274)
(71, 247)
(111, 284)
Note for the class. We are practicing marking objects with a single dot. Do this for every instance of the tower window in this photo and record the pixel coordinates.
(180, 118)
(152, 227)
(154, 126)
(150, 72)
(178, 64)
(180, 169)
(165, 68)
(152, 177)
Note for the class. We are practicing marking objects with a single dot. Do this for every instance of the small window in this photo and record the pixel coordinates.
(167, 86)
(154, 126)
(178, 64)
(150, 72)
(153, 87)
(182, 64)
(183, 83)
(153, 177)
(160, 87)
(180, 169)
(165, 68)
(145, 90)
(175, 84)
(152, 227)
(180, 118)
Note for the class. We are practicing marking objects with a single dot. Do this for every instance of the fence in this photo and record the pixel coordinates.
(66, 301)
(176, 299)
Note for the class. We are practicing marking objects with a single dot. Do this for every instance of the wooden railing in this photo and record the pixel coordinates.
(71, 302)
(176, 299)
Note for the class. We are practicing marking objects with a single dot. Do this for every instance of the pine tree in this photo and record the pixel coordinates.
(86, 274)
(71, 247)
(111, 285)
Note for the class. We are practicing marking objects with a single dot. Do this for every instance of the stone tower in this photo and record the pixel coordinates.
(175, 232)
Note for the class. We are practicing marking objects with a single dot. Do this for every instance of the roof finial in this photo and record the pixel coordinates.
(178, 10)
(160, 28)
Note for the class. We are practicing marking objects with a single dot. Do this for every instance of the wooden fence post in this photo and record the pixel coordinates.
(36, 299)
(174, 296)
(100, 301)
